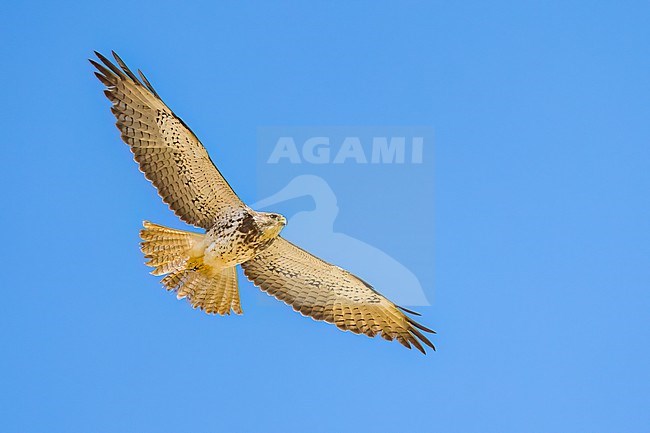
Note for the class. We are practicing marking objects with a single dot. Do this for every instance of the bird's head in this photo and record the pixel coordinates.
(270, 224)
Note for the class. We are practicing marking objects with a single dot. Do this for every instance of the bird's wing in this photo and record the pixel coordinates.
(326, 292)
(168, 152)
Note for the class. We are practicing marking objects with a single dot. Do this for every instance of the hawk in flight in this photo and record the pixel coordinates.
(202, 266)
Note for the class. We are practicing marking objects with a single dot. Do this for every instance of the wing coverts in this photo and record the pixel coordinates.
(326, 292)
(167, 151)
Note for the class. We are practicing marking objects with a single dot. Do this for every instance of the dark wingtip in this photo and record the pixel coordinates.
(148, 84)
(125, 68)
(419, 326)
(418, 346)
(101, 57)
(421, 336)
(103, 79)
(406, 310)
(108, 64)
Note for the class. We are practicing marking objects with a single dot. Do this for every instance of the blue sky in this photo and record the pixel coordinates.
(540, 217)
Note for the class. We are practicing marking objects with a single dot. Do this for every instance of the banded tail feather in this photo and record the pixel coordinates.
(172, 253)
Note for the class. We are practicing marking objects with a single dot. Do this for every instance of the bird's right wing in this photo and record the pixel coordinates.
(326, 292)
(168, 152)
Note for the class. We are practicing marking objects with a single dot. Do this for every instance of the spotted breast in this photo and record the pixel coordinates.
(238, 236)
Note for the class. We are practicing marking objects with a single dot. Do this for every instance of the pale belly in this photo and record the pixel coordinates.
(223, 254)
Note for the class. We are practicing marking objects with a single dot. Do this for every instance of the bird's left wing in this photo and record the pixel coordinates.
(168, 152)
(326, 292)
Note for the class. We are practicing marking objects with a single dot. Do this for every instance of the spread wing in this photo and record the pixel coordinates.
(168, 152)
(326, 292)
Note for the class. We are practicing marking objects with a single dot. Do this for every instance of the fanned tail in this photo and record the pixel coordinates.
(172, 252)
